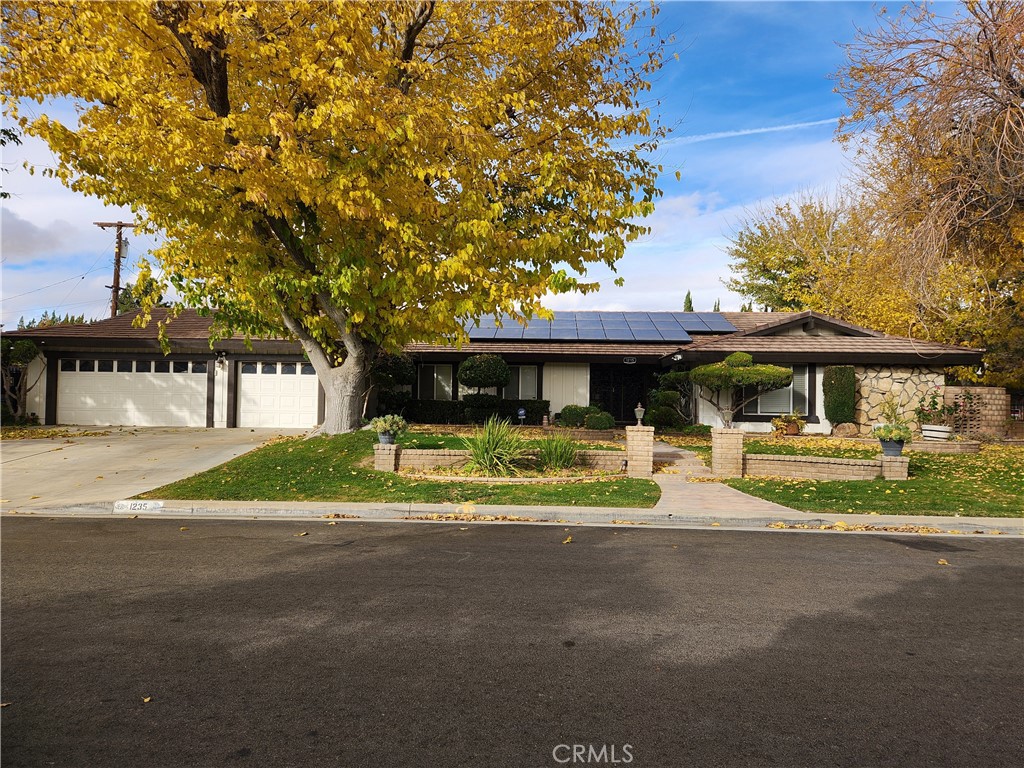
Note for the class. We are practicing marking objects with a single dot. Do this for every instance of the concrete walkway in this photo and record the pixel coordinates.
(679, 497)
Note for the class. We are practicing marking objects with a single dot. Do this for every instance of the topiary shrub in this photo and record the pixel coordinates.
(481, 407)
(599, 420)
(573, 415)
(483, 371)
(739, 360)
(839, 384)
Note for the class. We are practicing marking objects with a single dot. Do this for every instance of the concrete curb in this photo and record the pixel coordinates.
(468, 513)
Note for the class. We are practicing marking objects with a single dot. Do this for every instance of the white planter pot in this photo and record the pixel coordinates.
(936, 432)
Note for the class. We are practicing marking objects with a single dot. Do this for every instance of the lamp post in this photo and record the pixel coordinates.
(639, 413)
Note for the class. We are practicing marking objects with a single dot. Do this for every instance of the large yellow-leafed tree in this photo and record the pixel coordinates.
(357, 175)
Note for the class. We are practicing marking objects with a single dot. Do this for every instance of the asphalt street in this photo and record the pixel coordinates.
(243, 643)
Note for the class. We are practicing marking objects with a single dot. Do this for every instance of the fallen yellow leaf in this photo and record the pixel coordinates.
(568, 540)
(715, 525)
(183, 528)
(146, 699)
(943, 562)
(302, 534)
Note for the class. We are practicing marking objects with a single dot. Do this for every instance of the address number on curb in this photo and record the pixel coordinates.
(138, 506)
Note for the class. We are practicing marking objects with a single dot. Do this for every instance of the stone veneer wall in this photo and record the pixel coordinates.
(993, 410)
(907, 384)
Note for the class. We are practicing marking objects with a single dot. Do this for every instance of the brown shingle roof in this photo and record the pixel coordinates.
(188, 325)
(832, 348)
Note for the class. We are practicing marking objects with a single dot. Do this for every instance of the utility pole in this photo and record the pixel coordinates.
(115, 289)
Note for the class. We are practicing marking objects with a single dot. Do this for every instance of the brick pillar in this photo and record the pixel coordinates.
(727, 452)
(639, 451)
(385, 457)
(895, 467)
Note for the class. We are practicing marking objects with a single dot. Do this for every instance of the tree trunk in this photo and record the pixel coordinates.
(344, 390)
(345, 386)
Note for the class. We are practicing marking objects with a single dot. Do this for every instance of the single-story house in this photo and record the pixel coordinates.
(111, 373)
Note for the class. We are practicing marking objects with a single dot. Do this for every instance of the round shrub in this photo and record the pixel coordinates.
(482, 371)
(573, 415)
(391, 371)
(662, 416)
(599, 420)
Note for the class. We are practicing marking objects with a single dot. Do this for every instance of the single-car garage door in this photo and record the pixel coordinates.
(138, 393)
(277, 395)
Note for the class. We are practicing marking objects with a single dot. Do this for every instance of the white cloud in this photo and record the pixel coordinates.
(746, 132)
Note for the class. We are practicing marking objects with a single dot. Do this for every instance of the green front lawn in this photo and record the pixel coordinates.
(338, 468)
(986, 484)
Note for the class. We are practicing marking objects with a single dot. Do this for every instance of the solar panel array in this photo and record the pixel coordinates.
(605, 326)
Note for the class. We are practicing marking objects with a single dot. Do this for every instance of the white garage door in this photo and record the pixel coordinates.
(138, 393)
(277, 395)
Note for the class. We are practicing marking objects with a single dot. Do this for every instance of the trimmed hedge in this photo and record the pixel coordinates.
(839, 383)
(479, 408)
(536, 410)
(390, 401)
(573, 415)
(436, 412)
(599, 420)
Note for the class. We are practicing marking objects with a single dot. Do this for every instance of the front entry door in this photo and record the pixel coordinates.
(618, 388)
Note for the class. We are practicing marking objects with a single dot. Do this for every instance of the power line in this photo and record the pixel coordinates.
(59, 282)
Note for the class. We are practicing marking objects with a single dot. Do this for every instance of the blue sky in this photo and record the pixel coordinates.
(753, 115)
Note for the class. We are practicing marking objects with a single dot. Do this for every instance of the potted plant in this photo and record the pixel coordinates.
(934, 416)
(789, 423)
(388, 427)
(892, 437)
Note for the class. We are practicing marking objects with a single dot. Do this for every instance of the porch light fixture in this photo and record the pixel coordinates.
(677, 357)
(639, 413)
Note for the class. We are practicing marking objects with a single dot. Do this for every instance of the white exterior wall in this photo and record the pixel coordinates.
(36, 398)
(566, 384)
(707, 414)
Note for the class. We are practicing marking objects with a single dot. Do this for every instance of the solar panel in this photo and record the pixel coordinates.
(716, 322)
(513, 331)
(647, 334)
(537, 331)
(592, 334)
(618, 334)
(481, 333)
(564, 334)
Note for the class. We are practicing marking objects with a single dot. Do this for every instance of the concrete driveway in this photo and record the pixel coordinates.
(127, 461)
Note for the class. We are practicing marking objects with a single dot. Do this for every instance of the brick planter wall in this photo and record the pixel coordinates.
(824, 468)
(391, 458)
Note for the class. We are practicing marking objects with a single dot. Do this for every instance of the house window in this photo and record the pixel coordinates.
(522, 384)
(179, 366)
(124, 366)
(785, 400)
(436, 382)
(105, 366)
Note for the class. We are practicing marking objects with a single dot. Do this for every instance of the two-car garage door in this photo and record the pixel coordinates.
(174, 393)
(141, 393)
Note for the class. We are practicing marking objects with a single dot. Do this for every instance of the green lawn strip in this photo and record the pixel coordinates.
(332, 469)
(987, 484)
